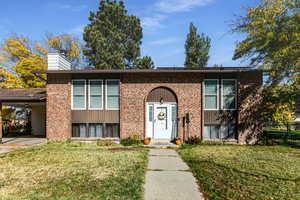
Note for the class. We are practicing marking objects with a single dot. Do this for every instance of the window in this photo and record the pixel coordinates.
(95, 130)
(211, 131)
(79, 130)
(214, 131)
(150, 113)
(112, 94)
(228, 94)
(174, 113)
(95, 95)
(111, 130)
(228, 131)
(78, 95)
(211, 94)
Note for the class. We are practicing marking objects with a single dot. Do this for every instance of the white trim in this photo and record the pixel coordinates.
(203, 95)
(235, 95)
(147, 122)
(163, 103)
(106, 108)
(89, 94)
(73, 80)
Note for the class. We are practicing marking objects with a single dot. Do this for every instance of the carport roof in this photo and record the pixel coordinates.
(23, 94)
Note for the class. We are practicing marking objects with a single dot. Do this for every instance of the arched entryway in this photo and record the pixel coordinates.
(161, 114)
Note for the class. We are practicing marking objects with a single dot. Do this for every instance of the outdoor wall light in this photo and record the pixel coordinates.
(161, 100)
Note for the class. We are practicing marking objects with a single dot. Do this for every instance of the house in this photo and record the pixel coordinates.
(211, 103)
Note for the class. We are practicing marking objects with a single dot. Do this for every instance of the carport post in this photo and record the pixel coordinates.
(1, 134)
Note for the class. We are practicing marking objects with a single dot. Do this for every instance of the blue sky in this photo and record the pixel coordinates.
(165, 24)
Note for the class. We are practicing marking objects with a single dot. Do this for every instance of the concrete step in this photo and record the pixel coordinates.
(161, 144)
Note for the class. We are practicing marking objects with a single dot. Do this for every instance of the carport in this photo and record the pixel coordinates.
(31, 98)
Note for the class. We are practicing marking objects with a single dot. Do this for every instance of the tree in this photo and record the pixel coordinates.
(273, 37)
(272, 41)
(279, 104)
(196, 48)
(144, 63)
(66, 45)
(8, 79)
(19, 57)
(113, 37)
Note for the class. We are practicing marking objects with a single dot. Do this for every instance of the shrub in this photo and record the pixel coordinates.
(133, 139)
(193, 140)
(130, 142)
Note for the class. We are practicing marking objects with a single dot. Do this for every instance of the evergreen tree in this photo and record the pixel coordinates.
(196, 48)
(144, 63)
(113, 37)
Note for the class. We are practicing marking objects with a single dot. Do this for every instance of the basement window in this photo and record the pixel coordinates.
(95, 130)
(217, 131)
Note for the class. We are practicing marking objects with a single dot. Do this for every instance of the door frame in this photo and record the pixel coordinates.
(151, 135)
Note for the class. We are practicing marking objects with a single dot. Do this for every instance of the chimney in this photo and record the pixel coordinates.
(57, 61)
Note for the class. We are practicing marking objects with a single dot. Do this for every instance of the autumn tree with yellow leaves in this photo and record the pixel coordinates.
(19, 57)
(273, 39)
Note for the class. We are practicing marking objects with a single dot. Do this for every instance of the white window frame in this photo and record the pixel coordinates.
(218, 91)
(106, 107)
(72, 106)
(89, 94)
(235, 95)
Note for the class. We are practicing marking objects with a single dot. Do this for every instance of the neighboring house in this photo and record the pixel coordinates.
(210, 103)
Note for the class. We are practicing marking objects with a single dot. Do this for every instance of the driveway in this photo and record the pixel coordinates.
(11, 144)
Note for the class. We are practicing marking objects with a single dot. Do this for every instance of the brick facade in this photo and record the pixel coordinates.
(134, 89)
(249, 107)
(58, 121)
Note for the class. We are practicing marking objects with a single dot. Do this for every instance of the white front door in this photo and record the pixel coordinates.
(161, 120)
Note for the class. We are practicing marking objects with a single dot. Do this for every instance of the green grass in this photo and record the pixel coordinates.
(245, 172)
(280, 137)
(73, 170)
(281, 131)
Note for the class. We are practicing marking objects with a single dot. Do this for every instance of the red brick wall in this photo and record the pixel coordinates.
(135, 88)
(249, 103)
(58, 122)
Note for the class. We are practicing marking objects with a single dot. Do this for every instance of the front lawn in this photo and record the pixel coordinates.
(281, 131)
(73, 171)
(245, 172)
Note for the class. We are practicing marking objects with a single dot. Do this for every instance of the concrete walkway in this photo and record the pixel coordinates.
(11, 144)
(168, 178)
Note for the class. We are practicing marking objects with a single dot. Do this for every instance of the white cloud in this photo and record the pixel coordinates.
(171, 6)
(153, 22)
(164, 41)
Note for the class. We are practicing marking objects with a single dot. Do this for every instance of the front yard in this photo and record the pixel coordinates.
(245, 172)
(73, 171)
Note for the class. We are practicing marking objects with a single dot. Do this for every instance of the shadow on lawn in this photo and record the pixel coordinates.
(223, 182)
(85, 186)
